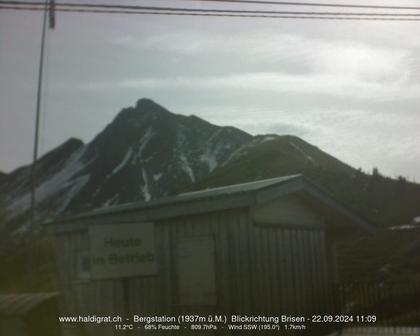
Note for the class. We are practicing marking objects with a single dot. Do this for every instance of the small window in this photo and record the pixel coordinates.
(82, 262)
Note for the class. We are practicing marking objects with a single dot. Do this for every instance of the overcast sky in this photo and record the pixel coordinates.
(351, 88)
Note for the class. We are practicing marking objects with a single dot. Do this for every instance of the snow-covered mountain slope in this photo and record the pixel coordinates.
(145, 152)
(58, 180)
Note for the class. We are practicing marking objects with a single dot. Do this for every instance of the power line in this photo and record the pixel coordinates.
(257, 2)
(230, 11)
(309, 4)
(144, 10)
(226, 15)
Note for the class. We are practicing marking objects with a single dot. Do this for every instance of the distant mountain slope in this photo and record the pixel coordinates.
(145, 152)
(3, 176)
(392, 255)
(55, 172)
(383, 200)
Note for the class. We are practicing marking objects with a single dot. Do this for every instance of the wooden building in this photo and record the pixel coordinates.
(29, 314)
(261, 247)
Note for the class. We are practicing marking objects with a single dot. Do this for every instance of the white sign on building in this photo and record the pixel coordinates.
(122, 250)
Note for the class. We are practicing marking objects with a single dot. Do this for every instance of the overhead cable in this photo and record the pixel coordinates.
(153, 10)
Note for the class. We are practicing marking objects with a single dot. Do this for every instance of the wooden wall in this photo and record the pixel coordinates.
(259, 269)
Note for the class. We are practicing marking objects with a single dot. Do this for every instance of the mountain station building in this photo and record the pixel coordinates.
(264, 247)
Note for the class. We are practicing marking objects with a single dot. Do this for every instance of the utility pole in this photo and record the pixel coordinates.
(49, 9)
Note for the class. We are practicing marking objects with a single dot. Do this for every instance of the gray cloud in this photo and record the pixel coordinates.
(353, 89)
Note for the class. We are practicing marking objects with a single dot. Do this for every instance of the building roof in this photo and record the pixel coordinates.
(236, 188)
(22, 304)
(221, 198)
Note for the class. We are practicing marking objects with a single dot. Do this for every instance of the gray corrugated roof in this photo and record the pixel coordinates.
(207, 193)
(236, 188)
(21, 304)
(190, 196)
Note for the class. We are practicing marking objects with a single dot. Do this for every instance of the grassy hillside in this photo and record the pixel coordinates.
(384, 201)
(387, 255)
(40, 277)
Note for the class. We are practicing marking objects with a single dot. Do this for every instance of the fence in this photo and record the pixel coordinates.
(394, 305)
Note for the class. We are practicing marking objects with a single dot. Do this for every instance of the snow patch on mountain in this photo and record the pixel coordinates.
(268, 138)
(145, 188)
(241, 151)
(144, 141)
(62, 179)
(301, 151)
(186, 167)
(405, 227)
(74, 188)
(113, 200)
(211, 151)
(210, 160)
(124, 161)
(156, 177)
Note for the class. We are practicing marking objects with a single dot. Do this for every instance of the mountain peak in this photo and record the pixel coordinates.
(74, 142)
(149, 107)
(143, 110)
(146, 103)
